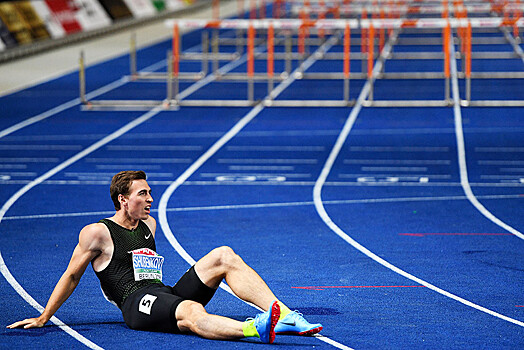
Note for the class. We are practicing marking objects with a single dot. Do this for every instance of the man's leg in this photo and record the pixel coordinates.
(192, 317)
(223, 263)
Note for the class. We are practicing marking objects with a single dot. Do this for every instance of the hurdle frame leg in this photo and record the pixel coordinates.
(82, 78)
(205, 53)
(132, 56)
(215, 49)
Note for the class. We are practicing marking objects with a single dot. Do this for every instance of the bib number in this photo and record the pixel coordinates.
(146, 303)
(147, 264)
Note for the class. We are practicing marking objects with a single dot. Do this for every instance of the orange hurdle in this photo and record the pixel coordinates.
(176, 50)
(347, 53)
(371, 54)
(371, 50)
(382, 37)
(216, 9)
(468, 62)
(446, 34)
(250, 60)
(270, 57)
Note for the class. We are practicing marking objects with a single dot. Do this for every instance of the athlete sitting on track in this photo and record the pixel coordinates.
(123, 254)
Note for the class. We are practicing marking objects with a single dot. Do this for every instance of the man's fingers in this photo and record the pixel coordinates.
(27, 323)
(16, 324)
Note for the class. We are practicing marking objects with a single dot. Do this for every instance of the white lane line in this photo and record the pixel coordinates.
(277, 148)
(317, 197)
(41, 147)
(499, 149)
(129, 166)
(496, 177)
(7, 205)
(139, 160)
(268, 205)
(98, 182)
(265, 161)
(398, 161)
(393, 168)
(290, 175)
(72, 103)
(28, 160)
(162, 148)
(162, 208)
(18, 173)
(260, 167)
(110, 175)
(29, 299)
(430, 176)
(75, 102)
(397, 149)
(13, 166)
(461, 149)
(250, 134)
(500, 162)
(511, 170)
(61, 108)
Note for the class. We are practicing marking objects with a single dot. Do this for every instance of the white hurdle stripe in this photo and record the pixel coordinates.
(391, 23)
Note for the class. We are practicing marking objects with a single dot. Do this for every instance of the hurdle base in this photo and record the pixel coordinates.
(407, 103)
(492, 103)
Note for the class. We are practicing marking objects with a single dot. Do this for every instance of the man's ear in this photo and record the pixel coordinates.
(123, 200)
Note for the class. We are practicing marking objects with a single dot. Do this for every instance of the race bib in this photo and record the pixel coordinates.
(147, 264)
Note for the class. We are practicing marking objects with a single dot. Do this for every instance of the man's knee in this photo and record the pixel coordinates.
(187, 315)
(226, 257)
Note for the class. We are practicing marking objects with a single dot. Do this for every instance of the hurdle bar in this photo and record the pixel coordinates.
(269, 76)
(94, 105)
(204, 57)
(353, 8)
(345, 26)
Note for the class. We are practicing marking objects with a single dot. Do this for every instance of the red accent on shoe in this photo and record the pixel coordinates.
(305, 333)
(275, 315)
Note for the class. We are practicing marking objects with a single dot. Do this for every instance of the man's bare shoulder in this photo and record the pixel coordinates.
(94, 236)
(151, 223)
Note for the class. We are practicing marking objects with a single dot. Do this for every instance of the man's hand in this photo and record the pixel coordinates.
(28, 323)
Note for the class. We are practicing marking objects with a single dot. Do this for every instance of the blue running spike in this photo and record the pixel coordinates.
(295, 324)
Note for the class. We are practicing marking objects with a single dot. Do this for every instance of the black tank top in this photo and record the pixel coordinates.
(117, 279)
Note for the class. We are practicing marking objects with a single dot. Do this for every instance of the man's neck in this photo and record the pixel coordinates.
(124, 220)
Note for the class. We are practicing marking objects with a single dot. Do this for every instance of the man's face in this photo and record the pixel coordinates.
(138, 202)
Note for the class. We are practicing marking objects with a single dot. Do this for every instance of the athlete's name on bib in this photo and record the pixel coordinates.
(147, 264)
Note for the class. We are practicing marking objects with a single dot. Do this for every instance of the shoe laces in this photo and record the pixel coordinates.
(299, 315)
(255, 319)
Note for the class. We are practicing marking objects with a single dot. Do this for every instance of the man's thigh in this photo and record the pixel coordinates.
(190, 287)
(152, 308)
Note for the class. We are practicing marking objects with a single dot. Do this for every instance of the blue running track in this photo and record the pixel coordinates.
(396, 228)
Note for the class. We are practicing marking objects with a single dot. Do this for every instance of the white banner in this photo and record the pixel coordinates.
(91, 15)
(51, 23)
(141, 8)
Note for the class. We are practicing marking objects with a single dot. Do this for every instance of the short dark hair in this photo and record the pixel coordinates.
(121, 184)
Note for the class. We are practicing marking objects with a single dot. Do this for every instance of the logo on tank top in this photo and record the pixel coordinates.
(147, 264)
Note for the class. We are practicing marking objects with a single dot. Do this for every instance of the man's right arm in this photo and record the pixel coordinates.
(88, 248)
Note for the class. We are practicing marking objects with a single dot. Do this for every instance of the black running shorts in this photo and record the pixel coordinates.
(153, 307)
